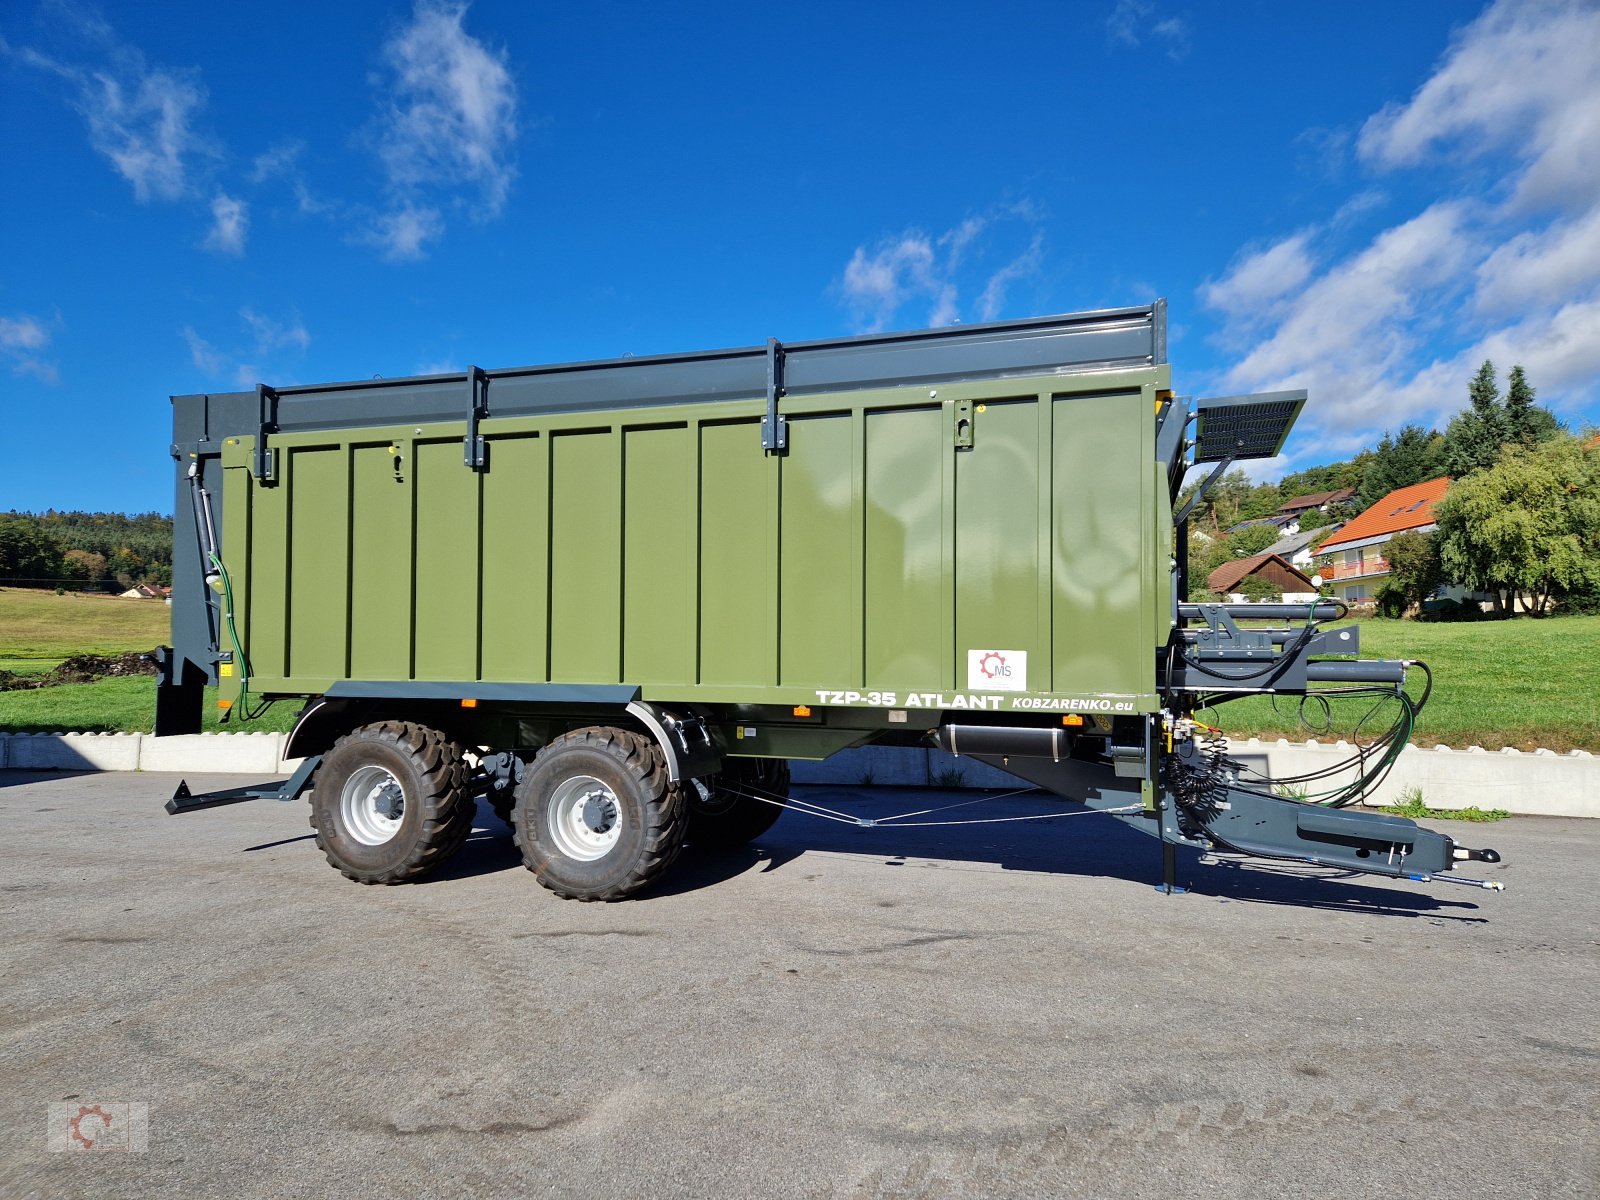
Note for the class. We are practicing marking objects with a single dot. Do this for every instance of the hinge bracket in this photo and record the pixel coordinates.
(476, 450)
(266, 458)
(774, 428)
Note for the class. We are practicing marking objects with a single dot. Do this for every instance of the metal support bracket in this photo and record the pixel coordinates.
(266, 458)
(183, 800)
(476, 449)
(1200, 492)
(774, 428)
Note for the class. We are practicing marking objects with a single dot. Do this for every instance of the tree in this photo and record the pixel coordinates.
(1414, 569)
(1252, 539)
(1529, 525)
(1525, 421)
(28, 555)
(1414, 456)
(84, 565)
(1328, 478)
(1262, 501)
(1474, 436)
(1254, 587)
(1206, 554)
(1228, 498)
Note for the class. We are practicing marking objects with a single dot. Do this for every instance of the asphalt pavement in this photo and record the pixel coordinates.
(984, 1010)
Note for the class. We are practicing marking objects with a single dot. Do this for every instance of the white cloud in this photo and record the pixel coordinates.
(230, 220)
(272, 345)
(1542, 267)
(402, 233)
(1392, 330)
(1357, 310)
(914, 268)
(994, 291)
(282, 162)
(1134, 22)
(876, 285)
(1522, 78)
(21, 338)
(204, 355)
(270, 335)
(140, 117)
(22, 333)
(1260, 278)
(448, 119)
(282, 159)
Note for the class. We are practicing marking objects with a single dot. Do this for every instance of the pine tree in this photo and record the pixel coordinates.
(1414, 456)
(1473, 440)
(1527, 423)
(1519, 408)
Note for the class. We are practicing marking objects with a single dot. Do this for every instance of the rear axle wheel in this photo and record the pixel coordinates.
(596, 817)
(390, 802)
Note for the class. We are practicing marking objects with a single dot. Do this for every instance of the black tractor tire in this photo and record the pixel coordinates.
(390, 802)
(596, 816)
(723, 813)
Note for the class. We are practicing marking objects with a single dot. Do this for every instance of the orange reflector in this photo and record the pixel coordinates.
(1072, 719)
(469, 704)
(802, 710)
(224, 703)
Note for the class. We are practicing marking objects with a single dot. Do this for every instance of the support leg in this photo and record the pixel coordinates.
(1169, 871)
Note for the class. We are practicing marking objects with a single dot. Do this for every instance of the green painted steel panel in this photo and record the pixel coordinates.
(658, 530)
(738, 599)
(445, 635)
(380, 562)
(908, 636)
(997, 536)
(660, 548)
(1101, 544)
(319, 559)
(821, 555)
(516, 508)
(585, 557)
(264, 621)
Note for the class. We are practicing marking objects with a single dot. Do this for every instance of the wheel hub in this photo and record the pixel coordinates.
(372, 805)
(584, 818)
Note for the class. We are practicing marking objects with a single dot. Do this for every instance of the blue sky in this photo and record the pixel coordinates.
(1364, 199)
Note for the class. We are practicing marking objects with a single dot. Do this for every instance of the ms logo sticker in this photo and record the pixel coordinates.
(997, 670)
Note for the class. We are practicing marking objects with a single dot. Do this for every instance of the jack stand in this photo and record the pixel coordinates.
(1169, 872)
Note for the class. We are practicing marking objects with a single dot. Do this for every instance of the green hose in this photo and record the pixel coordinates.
(233, 635)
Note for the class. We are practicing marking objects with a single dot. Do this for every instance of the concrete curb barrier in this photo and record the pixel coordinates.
(200, 753)
(1541, 783)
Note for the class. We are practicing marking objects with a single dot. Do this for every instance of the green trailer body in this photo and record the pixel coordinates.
(875, 564)
(753, 555)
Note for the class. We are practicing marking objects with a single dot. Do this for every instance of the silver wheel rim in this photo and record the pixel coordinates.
(585, 818)
(371, 805)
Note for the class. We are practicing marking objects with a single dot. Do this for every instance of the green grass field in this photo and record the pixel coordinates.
(1522, 683)
(38, 629)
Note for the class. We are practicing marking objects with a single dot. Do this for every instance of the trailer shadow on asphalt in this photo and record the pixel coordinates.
(1082, 844)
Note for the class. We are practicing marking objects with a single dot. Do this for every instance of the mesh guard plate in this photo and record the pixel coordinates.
(1245, 426)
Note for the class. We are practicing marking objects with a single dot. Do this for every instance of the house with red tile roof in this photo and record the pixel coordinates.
(1354, 565)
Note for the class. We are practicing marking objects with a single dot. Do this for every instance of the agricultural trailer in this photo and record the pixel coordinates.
(615, 598)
